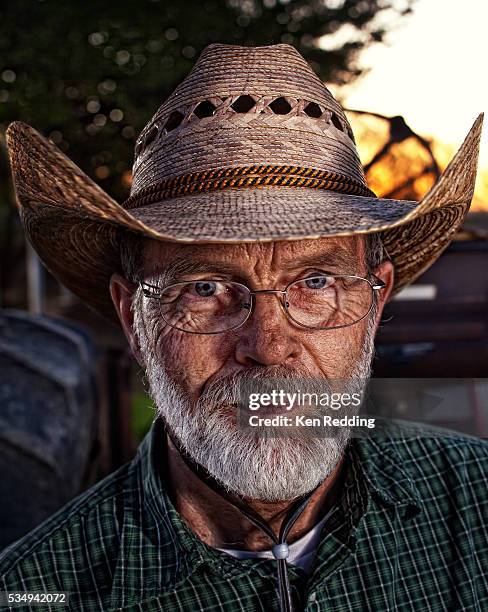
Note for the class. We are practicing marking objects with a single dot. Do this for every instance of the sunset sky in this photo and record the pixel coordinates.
(433, 72)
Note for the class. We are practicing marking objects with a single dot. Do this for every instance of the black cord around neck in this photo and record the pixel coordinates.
(296, 510)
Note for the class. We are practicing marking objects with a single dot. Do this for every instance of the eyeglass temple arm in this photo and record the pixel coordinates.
(147, 287)
(378, 283)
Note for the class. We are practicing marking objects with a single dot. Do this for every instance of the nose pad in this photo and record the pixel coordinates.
(284, 303)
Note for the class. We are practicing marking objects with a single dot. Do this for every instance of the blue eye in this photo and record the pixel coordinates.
(205, 289)
(316, 282)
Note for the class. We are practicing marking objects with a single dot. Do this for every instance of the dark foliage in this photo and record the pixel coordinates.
(90, 74)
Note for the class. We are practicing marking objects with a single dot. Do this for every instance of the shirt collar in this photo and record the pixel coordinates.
(386, 469)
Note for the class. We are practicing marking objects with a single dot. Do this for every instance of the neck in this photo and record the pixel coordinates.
(220, 525)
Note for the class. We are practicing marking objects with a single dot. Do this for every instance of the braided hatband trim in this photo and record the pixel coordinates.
(247, 176)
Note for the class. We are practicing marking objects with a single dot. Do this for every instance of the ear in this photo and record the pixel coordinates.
(122, 292)
(386, 272)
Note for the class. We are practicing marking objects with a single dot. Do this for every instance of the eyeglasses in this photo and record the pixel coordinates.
(211, 306)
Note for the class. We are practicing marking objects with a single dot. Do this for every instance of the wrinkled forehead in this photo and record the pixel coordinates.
(345, 253)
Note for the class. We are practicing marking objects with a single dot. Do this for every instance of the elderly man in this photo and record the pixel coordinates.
(251, 250)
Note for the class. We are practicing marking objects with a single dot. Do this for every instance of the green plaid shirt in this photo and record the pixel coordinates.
(409, 532)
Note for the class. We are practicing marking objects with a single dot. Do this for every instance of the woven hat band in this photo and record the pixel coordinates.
(250, 176)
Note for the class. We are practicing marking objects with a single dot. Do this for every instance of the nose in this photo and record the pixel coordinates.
(267, 338)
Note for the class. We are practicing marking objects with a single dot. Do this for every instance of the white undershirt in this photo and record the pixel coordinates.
(302, 551)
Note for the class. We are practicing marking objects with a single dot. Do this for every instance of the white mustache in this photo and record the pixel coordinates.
(228, 389)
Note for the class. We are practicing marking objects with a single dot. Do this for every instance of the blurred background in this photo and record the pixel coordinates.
(90, 75)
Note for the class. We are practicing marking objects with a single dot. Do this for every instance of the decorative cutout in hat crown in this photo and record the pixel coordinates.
(243, 104)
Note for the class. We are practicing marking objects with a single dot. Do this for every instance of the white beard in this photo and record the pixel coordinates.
(257, 466)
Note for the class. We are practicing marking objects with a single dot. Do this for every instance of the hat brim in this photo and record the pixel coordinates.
(74, 225)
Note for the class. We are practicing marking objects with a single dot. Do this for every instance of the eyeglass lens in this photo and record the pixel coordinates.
(205, 306)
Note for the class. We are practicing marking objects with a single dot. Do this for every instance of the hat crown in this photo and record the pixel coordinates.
(246, 106)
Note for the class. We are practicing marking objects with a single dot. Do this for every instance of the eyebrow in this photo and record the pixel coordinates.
(339, 260)
(181, 266)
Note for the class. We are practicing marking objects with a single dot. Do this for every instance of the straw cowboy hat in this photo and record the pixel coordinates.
(251, 146)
